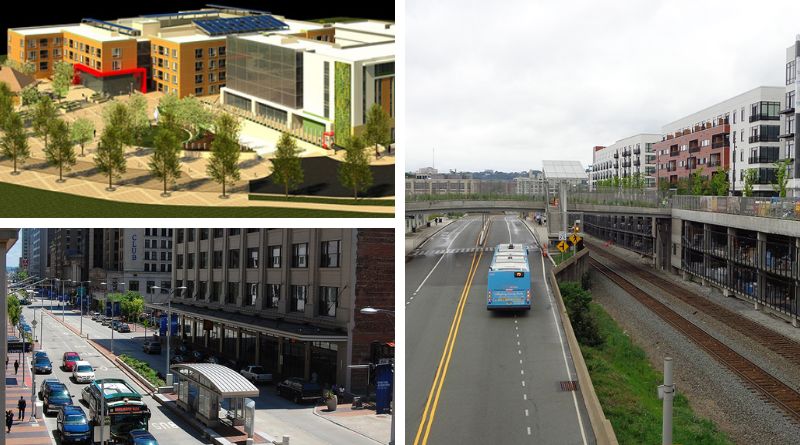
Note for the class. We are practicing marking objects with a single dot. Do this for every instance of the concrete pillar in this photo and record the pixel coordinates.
(258, 349)
(307, 361)
(238, 343)
(761, 249)
(729, 264)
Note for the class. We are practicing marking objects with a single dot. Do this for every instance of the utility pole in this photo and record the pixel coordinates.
(666, 392)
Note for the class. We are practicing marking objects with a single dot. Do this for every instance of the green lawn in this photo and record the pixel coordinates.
(626, 385)
(343, 201)
(25, 202)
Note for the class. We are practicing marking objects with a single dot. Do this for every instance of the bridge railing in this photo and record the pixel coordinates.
(471, 197)
(782, 208)
(622, 197)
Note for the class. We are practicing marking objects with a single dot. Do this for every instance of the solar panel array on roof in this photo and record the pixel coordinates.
(108, 26)
(181, 14)
(237, 25)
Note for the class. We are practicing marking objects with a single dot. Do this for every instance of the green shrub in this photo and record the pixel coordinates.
(143, 369)
(584, 324)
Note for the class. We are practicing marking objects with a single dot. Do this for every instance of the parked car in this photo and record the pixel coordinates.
(197, 356)
(72, 425)
(212, 359)
(56, 397)
(68, 361)
(151, 347)
(256, 374)
(114, 324)
(43, 386)
(123, 327)
(83, 373)
(299, 389)
(96, 316)
(37, 354)
(139, 437)
(25, 302)
(175, 359)
(42, 365)
(106, 321)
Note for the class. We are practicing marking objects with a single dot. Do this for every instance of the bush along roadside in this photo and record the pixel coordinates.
(143, 369)
(624, 380)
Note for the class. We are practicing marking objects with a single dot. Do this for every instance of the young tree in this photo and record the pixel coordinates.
(192, 115)
(82, 132)
(30, 95)
(44, 112)
(27, 68)
(6, 104)
(719, 182)
(663, 185)
(224, 162)
(698, 182)
(110, 156)
(354, 171)
(378, 129)
(61, 151)
(750, 177)
(139, 120)
(286, 166)
(62, 78)
(14, 143)
(165, 163)
(781, 177)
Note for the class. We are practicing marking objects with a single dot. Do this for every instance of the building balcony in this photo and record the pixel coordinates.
(721, 144)
(787, 110)
(636, 162)
(674, 153)
(763, 117)
(637, 151)
(694, 148)
(616, 165)
(714, 163)
(762, 138)
(786, 135)
(616, 155)
(762, 159)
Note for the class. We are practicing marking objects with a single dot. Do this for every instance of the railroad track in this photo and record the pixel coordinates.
(769, 387)
(772, 340)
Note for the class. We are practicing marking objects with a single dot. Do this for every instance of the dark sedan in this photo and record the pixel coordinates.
(299, 389)
(42, 365)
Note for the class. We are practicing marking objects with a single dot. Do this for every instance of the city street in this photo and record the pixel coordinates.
(275, 416)
(500, 381)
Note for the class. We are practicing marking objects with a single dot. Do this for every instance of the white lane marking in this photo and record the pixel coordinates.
(519, 351)
(517, 343)
(517, 335)
(523, 383)
(442, 257)
(563, 351)
(524, 397)
(520, 361)
(510, 241)
(529, 431)
(526, 412)
(521, 372)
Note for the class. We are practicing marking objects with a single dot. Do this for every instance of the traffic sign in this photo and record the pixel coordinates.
(562, 246)
(574, 239)
(562, 236)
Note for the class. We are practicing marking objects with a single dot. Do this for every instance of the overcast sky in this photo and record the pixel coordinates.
(504, 85)
(12, 256)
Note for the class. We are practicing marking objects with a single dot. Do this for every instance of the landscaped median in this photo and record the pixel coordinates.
(143, 369)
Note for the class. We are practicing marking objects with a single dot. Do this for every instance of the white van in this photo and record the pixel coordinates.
(83, 372)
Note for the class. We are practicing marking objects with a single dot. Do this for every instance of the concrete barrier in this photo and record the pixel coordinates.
(603, 431)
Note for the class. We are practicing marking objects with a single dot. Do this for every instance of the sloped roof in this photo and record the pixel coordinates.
(225, 381)
(15, 80)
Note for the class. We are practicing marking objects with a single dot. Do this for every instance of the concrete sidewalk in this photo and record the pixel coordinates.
(23, 432)
(415, 239)
(361, 421)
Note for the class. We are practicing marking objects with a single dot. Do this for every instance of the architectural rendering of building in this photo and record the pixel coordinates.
(736, 134)
(627, 158)
(37, 265)
(287, 299)
(788, 134)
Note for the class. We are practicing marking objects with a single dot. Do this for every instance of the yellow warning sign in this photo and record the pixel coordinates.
(574, 239)
(562, 246)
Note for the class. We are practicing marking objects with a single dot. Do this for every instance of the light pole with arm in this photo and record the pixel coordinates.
(169, 325)
(111, 325)
(373, 311)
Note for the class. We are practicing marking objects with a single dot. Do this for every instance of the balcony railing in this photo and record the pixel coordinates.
(637, 151)
(762, 138)
(762, 159)
(694, 148)
(636, 162)
(616, 155)
(786, 135)
(787, 110)
(721, 144)
(714, 163)
(763, 117)
(674, 153)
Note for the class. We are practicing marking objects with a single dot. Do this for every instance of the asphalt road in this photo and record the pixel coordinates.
(499, 373)
(165, 427)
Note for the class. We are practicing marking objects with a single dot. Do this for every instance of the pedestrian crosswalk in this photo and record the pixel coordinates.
(435, 252)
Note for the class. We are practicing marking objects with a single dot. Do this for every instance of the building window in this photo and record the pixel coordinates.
(216, 290)
(216, 261)
(331, 253)
(252, 294)
(233, 292)
(218, 233)
(791, 72)
(300, 255)
(221, 51)
(274, 257)
(165, 285)
(175, 54)
(202, 290)
(203, 260)
(31, 55)
(198, 91)
(203, 234)
(116, 65)
(298, 298)
(174, 79)
(189, 292)
(42, 66)
(116, 52)
(150, 285)
(327, 301)
(790, 123)
(234, 232)
(198, 66)
(272, 293)
(233, 258)
(212, 52)
(190, 261)
(198, 53)
(252, 257)
(198, 78)
(326, 80)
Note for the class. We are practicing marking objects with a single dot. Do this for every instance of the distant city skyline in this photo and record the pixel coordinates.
(541, 80)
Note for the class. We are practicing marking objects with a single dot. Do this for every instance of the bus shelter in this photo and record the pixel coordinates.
(204, 388)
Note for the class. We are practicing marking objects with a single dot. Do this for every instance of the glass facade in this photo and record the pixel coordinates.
(265, 71)
(237, 101)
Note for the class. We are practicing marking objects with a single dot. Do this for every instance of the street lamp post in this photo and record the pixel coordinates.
(83, 297)
(373, 311)
(169, 326)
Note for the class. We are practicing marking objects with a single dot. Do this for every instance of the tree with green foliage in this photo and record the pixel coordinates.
(110, 156)
(62, 78)
(14, 309)
(354, 172)
(137, 113)
(44, 112)
(82, 132)
(697, 182)
(14, 143)
(615, 182)
(584, 324)
(750, 177)
(26, 68)
(223, 165)
(6, 104)
(61, 151)
(719, 182)
(165, 163)
(131, 304)
(781, 176)
(30, 95)
(378, 128)
(286, 166)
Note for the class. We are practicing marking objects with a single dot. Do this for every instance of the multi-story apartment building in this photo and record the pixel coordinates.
(458, 184)
(531, 185)
(287, 299)
(789, 136)
(322, 80)
(627, 158)
(736, 134)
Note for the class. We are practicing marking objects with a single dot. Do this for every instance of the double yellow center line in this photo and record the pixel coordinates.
(425, 423)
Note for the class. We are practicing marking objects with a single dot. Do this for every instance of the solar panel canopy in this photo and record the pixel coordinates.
(563, 170)
(237, 25)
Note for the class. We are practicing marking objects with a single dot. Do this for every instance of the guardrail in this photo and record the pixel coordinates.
(782, 208)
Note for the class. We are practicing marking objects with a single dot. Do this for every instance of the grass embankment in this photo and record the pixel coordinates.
(143, 369)
(25, 202)
(626, 383)
(341, 201)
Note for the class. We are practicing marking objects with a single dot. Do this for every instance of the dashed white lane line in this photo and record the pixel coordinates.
(442, 257)
(522, 372)
(526, 412)
(517, 343)
(529, 431)
(519, 351)
(524, 397)
(523, 383)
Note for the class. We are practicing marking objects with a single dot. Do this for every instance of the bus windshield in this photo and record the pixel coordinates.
(123, 423)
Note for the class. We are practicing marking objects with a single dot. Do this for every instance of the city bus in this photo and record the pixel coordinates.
(124, 409)
(509, 283)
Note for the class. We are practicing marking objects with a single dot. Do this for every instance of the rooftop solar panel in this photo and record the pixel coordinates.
(236, 25)
(181, 14)
(111, 26)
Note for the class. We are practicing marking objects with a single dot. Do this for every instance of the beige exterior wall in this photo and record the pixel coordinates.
(21, 47)
(178, 62)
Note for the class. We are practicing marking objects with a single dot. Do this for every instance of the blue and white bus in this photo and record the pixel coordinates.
(509, 283)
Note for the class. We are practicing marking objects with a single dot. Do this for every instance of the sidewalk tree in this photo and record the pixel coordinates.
(6, 104)
(378, 129)
(354, 172)
(110, 156)
(14, 143)
(139, 120)
(14, 309)
(286, 166)
(697, 182)
(750, 177)
(223, 165)
(82, 132)
(62, 78)
(781, 177)
(61, 151)
(44, 113)
(131, 304)
(719, 182)
(165, 163)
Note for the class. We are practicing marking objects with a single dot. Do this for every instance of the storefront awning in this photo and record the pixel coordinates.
(223, 380)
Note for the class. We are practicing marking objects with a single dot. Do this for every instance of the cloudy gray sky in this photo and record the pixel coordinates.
(503, 85)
